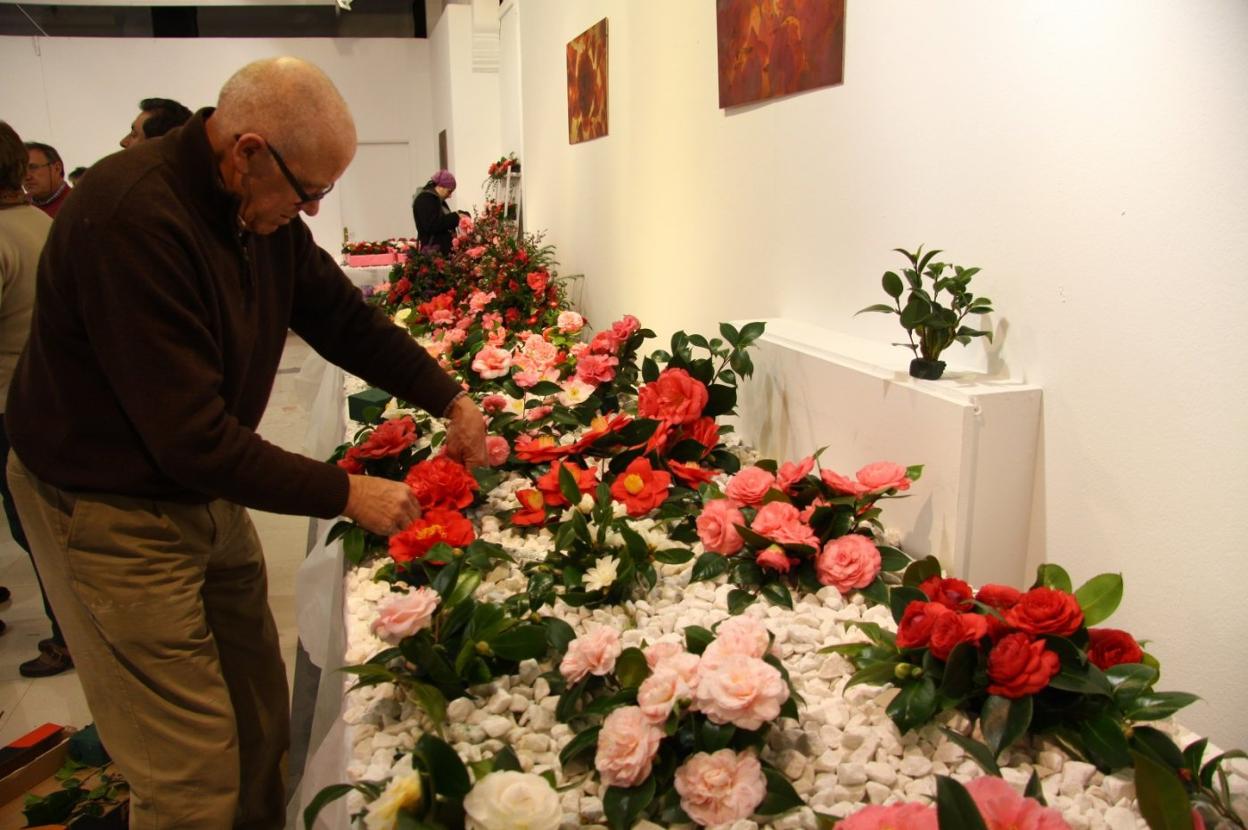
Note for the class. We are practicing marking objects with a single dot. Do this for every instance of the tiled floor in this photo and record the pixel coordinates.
(25, 704)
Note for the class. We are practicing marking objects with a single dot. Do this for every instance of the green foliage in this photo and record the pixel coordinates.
(937, 324)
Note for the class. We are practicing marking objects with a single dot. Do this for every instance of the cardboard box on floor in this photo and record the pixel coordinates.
(37, 776)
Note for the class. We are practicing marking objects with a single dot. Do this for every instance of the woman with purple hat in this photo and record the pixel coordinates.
(435, 221)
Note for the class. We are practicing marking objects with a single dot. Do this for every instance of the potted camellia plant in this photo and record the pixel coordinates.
(939, 299)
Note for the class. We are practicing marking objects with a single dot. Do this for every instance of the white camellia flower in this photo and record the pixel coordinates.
(603, 574)
(403, 791)
(511, 800)
(575, 392)
(400, 316)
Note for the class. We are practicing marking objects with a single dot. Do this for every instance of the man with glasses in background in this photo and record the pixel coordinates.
(45, 183)
(165, 296)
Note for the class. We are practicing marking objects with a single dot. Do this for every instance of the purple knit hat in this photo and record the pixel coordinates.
(443, 178)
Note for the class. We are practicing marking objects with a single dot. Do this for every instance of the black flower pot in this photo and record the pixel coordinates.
(925, 369)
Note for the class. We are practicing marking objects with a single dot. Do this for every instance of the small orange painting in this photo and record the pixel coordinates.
(587, 84)
(770, 48)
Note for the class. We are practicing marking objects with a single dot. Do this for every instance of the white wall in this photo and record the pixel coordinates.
(466, 105)
(80, 95)
(1089, 156)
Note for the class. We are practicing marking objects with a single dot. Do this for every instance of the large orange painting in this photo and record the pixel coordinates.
(587, 84)
(769, 48)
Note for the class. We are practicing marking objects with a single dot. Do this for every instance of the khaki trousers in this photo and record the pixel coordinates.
(165, 609)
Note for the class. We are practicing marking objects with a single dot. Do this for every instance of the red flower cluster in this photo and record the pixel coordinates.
(640, 487)
(437, 525)
(548, 484)
(441, 482)
(674, 398)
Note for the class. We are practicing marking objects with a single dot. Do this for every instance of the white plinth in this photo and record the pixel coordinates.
(976, 438)
(374, 275)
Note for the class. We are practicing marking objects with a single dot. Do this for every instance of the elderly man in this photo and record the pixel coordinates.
(45, 178)
(156, 117)
(164, 299)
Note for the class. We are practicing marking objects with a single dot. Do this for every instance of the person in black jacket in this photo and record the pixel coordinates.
(435, 221)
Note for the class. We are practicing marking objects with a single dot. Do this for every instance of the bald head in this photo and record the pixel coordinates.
(293, 105)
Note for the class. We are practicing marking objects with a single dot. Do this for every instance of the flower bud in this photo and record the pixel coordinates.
(586, 504)
(483, 648)
(901, 671)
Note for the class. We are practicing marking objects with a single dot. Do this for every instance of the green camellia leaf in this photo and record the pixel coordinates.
(327, 795)
(558, 634)
(353, 545)
(921, 570)
(892, 284)
(958, 679)
(781, 797)
(464, 588)
(777, 593)
(713, 737)
(624, 806)
(524, 642)
(1163, 801)
(879, 674)
(1034, 790)
(874, 632)
(430, 699)
(697, 639)
(583, 742)
(568, 486)
(900, 597)
(954, 806)
(979, 752)
(892, 559)
(505, 760)
(631, 667)
(1157, 705)
(1208, 770)
(568, 700)
(877, 592)
(450, 776)
(1053, 576)
(1131, 679)
(673, 556)
(739, 600)
(1104, 743)
(1157, 745)
(1088, 681)
(709, 566)
(1004, 721)
(1099, 597)
(915, 312)
(879, 308)
(914, 706)
(751, 332)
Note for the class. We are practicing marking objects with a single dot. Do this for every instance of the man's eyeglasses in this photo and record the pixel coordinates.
(41, 166)
(304, 196)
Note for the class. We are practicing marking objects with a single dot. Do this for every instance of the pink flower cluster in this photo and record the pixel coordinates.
(729, 683)
(1000, 806)
(872, 479)
(404, 615)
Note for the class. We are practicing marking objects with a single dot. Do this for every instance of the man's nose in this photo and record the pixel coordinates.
(311, 208)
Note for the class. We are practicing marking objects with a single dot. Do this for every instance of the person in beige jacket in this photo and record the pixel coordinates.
(23, 229)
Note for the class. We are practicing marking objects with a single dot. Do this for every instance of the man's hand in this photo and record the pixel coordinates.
(380, 505)
(465, 434)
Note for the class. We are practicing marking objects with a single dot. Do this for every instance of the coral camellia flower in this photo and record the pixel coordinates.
(441, 482)
(391, 437)
(675, 397)
(640, 487)
(1004, 809)
(536, 449)
(586, 482)
(840, 484)
(436, 525)
(883, 476)
(532, 508)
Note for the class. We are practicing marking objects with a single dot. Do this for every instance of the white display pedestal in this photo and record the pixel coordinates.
(374, 275)
(976, 438)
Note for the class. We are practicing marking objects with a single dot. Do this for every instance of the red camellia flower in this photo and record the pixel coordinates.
(441, 482)
(548, 484)
(351, 462)
(1000, 597)
(690, 473)
(705, 431)
(1110, 647)
(532, 509)
(950, 629)
(537, 281)
(675, 397)
(442, 302)
(1046, 611)
(774, 558)
(915, 628)
(1019, 666)
(391, 437)
(538, 449)
(640, 487)
(437, 525)
(954, 594)
(600, 426)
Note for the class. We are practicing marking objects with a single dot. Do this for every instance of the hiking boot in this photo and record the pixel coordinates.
(51, 660)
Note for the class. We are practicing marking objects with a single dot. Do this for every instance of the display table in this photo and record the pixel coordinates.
(367, 276)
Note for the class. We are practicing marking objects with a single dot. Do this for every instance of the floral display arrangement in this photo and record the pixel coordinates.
(573, 636)
(506, 164)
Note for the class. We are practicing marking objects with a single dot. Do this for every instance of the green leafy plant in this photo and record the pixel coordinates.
(86, 793)
(939, 299)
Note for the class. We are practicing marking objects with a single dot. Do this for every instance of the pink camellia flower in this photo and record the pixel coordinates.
(781, 522)
(493, 403)
(465, 224)
(849, 562)
(537, 413)
(625, 327)
(883, 475)
(456, 336)
(748, 487)
(442, 317)
(717, 527)
(721, 787)
(479, 300)
(1004, 809)
(491, 320)
(790, 473)
(660, 692)
(537, 281)
(492, 363)
(593, 653)
(740, 636)
(893, 817)
(840, 484)
(743, 691)
(404, 615)
(604, 342)
(661, 651)
(476, 253)
(541, 352)
(626, 747)
(773, 558)
(596, 368)
(497, 450)
(570, 322)
(526, 378)
(579, 350)
(575, 392)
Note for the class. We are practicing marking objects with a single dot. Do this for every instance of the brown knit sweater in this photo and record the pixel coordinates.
(157, 332)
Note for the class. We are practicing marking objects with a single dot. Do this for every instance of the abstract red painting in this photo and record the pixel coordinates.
(587, 84)
(769, 48)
